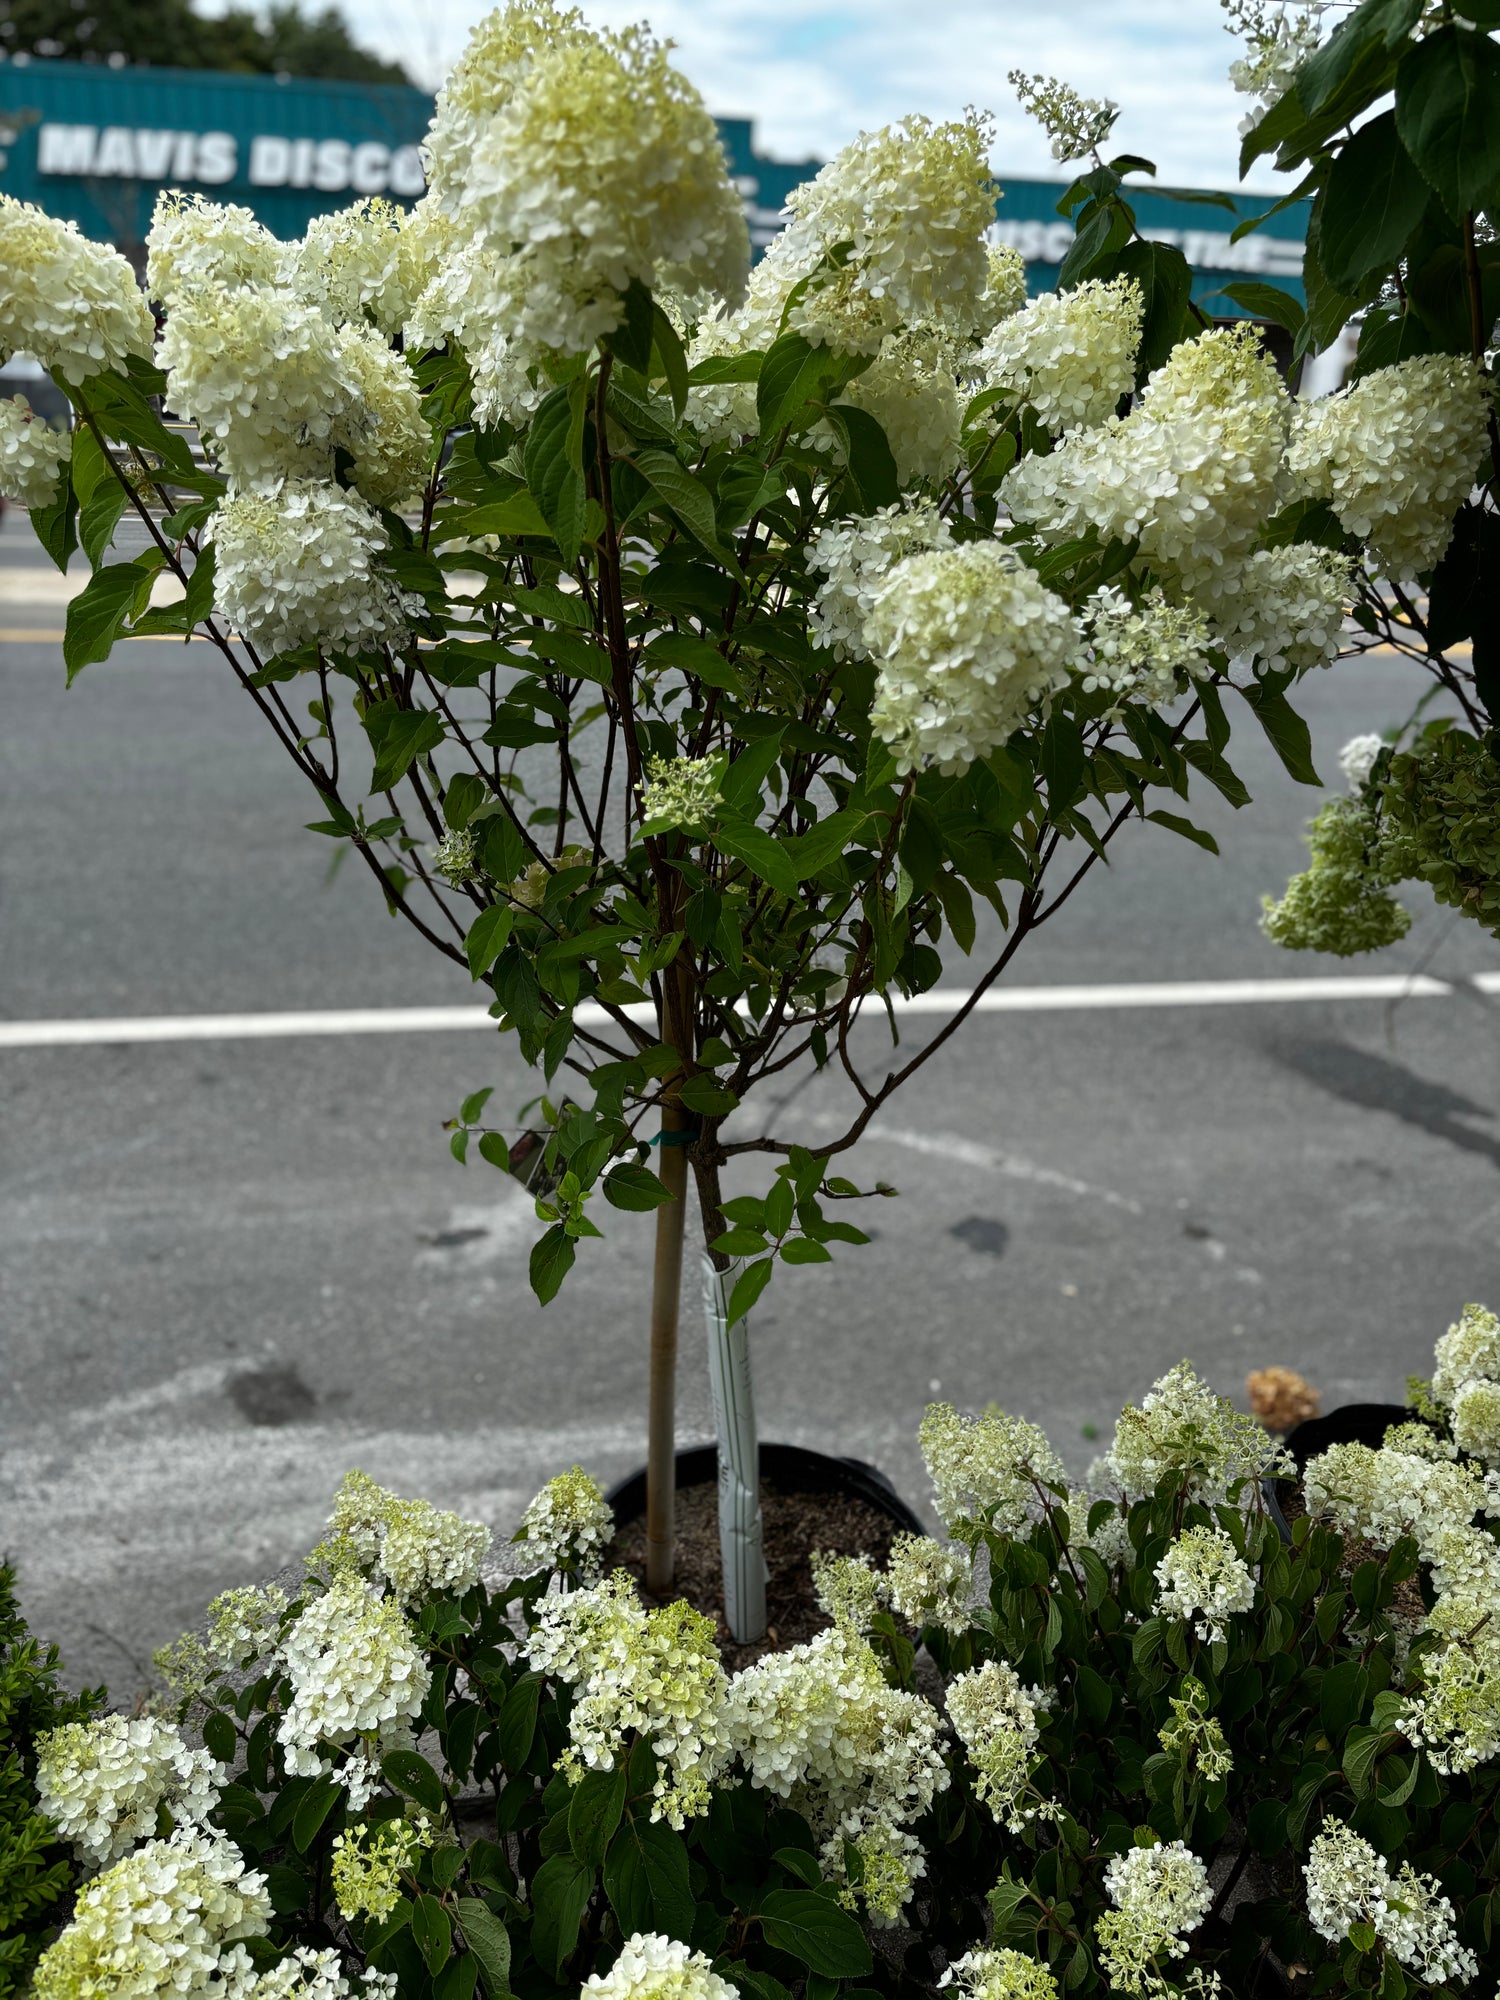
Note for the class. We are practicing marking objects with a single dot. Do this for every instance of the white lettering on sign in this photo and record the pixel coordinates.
(123, 152)
(1205, 249)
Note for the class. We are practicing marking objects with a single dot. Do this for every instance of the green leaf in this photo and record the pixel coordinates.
(486, 1936)
(219, 1738)
(695, 656)
(1268, 302)
(1162, 272)
(744, 781)
(666, 348)
(493, 1149)
(312, 1809)
(100, 516)
(1105, 228)
(574, 654)
(554, 469)
(1387, 22)
(1285, 730)
(765, 857)
(793, 373)
(646, 1871)
(824, 1936)
(55, 526)
(487, 938)
(688, 498)
(516, 1729)
(432, 1931)
(560, 1892)
(727, 368)
(411, 1775)
(123, 412)
(398, 736)
(1371, 202)
(457, 1979)
(595, 1809)
(287, 1888)
(1342, 1696)
(811, 852)
(1063, 760)
(631, 340)
(702, 1094)
(748, 1287)
(867, 454)
(1448, 114)
(1185, 827)
(634, 1188)
(551, 1260)
(519, 515)
(803, 1250)
(97, 616)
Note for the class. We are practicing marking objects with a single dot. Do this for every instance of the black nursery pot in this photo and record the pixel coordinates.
(1351, 1423)
(791, 1467)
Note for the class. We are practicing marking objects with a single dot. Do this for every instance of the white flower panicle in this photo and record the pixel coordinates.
(1077, 126)
(1282, 607)
(819, 1726)
(100, 1782)
(1348, 1883)
(299, 566)
(1183, 1427)
(1203, 1577)
(32, 455)
(1149, 651)
(1005, 288)
(307, 1974)
(1161, 1895)
(721, 411)
(70, 304)
(912, 202)
(1396, 454)
(410, 1545)
(456, 857)
(930, 1582)
(1070, 355)
(855, 556)
(244, 1625)
(682, 792)
(998, 1975)
(568, 1526)
(1357, 759)
(357, 1670)
(382, 426)
(1278, 40)
(368, 1862)
(998, 1722)
(656, 1672)
(1380, 1495)
(1194, 1735)
(652, 1967)
(194, 243)
(911, 391)
(158, 1923)
(988, 1470)
(357, 266)
(1475, 1417)
(586, 163)
(1468, 1352)
(970, 645)
(848, 1589)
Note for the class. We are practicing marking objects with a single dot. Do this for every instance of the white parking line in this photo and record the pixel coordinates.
(942, 1000)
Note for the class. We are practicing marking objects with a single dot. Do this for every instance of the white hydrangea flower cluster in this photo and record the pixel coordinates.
(1149, 651)
(1182, 1426)
(457, 303)
(1077, 126)
(456, 857)
(357, 1670)
(1348, 1883)
(384, 429)
(1283, 607)
(568, 1526)
(356, 264)
(1468, 1352)
(856, 556)
(195, 244)
(70, 304)
(581, 163)
(158, 1923)
(969, 645)
(724, 411)
(913, 202)
(299, 566)
(1396, 454)
(656, 1672)
(1454, 1712)
(100, 1782)
(1194, 1735)
(1005, 289)
(652, 1967)
(1070, 355)
(1357, 759)
(911, 391)
(682, 792)
(244, 1624)
(307, 1974)
(1380, 1495)
(368, 1862)
(848, 1589)
(1161, 1895)
(1110, 1541)
(1203, 1577)
(998, 1722)
(989, 1470)
(998, 1975)
(819, 1726)
(930, 1582)
(1278, 40)
(410, 1545)
(1192, 474)
(31, 454)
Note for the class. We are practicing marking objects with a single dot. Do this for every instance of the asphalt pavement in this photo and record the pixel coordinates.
(229, 1271)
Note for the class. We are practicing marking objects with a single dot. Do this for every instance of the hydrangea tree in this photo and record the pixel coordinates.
(694, 660)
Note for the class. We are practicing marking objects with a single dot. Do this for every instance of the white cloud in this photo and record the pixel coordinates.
(812, 73)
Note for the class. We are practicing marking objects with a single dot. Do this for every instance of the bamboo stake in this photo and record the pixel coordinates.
(666, 1292)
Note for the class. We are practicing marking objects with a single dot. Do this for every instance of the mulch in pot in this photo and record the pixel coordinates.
(795, 1525)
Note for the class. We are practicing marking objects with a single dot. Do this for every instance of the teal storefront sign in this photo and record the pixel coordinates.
(96, 145)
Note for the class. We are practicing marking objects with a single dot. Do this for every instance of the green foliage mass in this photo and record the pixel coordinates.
(37, 1876)
(171, 34)
(1441, 811)
(1341, 904)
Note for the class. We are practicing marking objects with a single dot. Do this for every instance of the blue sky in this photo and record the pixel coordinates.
(812, 75)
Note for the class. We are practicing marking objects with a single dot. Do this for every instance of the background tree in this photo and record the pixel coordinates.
(171, 34)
